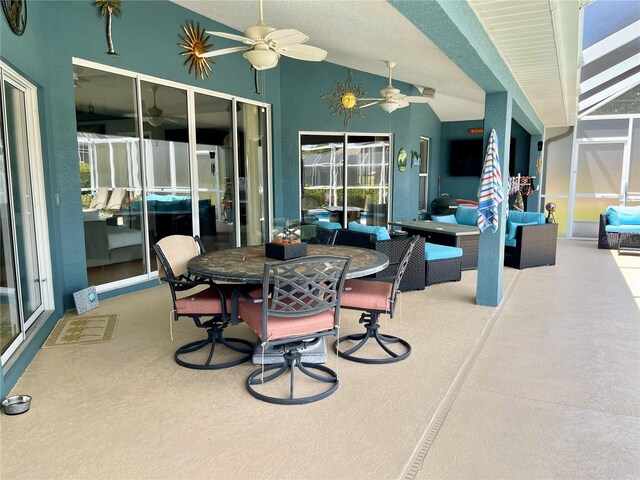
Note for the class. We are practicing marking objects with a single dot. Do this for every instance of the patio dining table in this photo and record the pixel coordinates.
(246, 264)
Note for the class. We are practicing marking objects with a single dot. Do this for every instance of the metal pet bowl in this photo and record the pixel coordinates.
(16, 405)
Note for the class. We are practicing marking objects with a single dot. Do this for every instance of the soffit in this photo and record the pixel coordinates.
(538, 40)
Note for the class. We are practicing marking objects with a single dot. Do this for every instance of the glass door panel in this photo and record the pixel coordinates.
(214, 139)
(367, 182)
(252, 174)
(322, 169)
(110, 175)
(598, 184)
(23, 206)
(166, 153)
(10, 325)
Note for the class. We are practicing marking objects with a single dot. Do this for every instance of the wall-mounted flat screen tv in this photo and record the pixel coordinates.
(466, 157)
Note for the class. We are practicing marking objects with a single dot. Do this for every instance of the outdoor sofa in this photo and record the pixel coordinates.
(618, 224)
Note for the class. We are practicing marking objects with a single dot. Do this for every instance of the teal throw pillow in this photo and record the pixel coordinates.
(467, 215)
(444, 218)
(513, 227)
(381, 233)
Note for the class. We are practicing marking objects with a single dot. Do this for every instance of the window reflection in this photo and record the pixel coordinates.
(110, 174)
(324, 178)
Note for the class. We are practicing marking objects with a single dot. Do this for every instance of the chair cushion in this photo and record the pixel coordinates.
(367, 295)
(433, 251)
(206, 302)
(444, 218)
(178, 250)
(510, 242)
(622, 228)
(284, 327)
(512, 227)
(467, 215)
(617, 216)
(381, 233)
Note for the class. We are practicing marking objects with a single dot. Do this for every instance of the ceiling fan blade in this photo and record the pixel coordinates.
(233, 36)
(224, 51)
(367, 104)
(302, 52)
(286, 36)
(370, 99)
(417, 99)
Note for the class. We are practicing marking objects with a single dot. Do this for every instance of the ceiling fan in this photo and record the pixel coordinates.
(392, 99)
(153, 116)
(265, 45)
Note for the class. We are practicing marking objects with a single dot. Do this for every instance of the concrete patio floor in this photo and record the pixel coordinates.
(545, 386)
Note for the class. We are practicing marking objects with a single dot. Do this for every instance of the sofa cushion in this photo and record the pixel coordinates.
(617, 216)
(120, 237)
(467, 215)
(328, 225)
(622, 228)
(444, 218)
(434, 251)
(536, 218)
(512, 228)
(381, 233)
(510, 242)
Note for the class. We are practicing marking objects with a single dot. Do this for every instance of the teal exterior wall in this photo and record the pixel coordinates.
(303, 109)
(146, 38)
(467, 187)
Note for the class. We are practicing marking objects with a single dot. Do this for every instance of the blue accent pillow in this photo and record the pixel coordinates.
(467, 215)
(327, 225)
(381, 233)
(444, 218)
(617, 216)
(536, 218)
(513, 227)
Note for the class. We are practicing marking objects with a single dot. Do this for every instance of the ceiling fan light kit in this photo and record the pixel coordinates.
(262, 59)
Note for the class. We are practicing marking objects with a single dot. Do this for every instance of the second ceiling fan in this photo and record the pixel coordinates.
(265, 45)
(391, 98)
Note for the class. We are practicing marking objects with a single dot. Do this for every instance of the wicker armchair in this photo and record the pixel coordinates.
(535, 246)
(413, 278)
(607, 240)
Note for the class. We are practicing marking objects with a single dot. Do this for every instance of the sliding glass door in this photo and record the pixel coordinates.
(24, 254)
(159, 158)
(336, 191)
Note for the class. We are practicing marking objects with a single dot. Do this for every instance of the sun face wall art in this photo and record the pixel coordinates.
(344, 99)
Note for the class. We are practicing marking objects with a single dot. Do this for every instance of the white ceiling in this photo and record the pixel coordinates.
(361, 34)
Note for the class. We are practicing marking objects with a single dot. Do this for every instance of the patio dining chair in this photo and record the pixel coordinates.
(302, 304)
(206, 302)
(375, 297)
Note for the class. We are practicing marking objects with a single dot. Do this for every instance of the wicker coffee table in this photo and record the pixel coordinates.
(629, 243)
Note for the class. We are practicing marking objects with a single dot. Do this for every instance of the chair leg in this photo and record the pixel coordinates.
(214, 337)
(371, 324)
(292, 362)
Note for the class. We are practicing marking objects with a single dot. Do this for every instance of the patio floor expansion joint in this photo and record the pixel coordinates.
(420, 453)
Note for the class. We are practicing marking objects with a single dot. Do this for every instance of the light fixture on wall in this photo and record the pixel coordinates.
(539, 159)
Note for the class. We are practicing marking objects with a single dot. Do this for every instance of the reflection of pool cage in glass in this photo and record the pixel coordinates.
(367, 179)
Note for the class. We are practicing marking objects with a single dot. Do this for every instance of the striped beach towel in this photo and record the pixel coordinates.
(490, 191)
